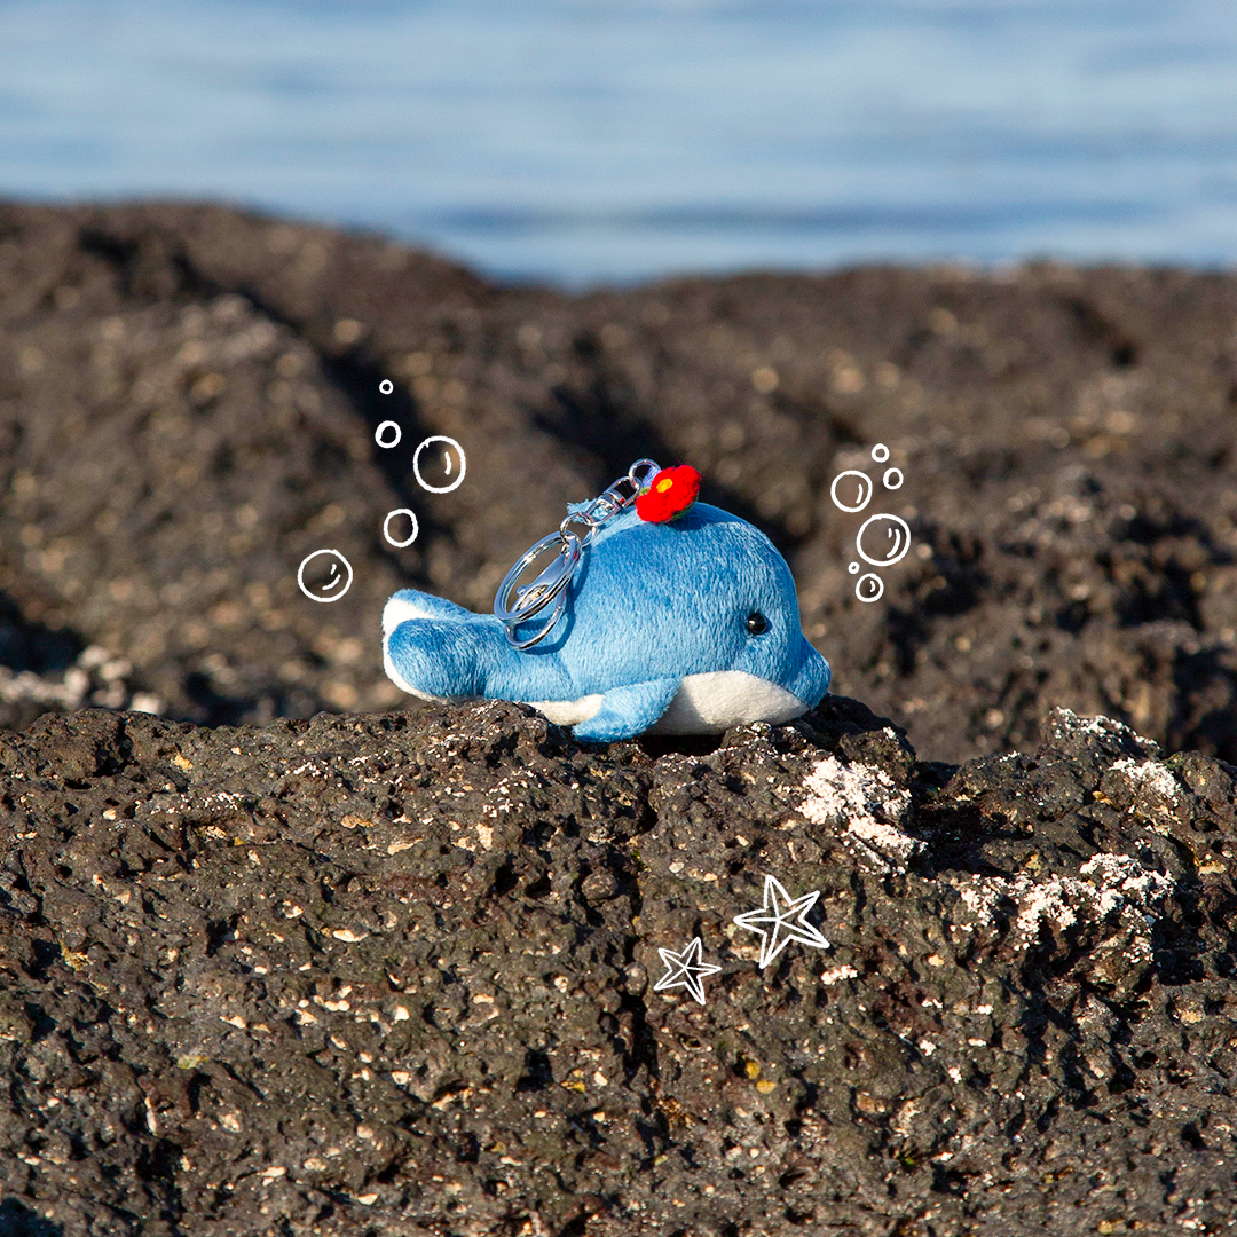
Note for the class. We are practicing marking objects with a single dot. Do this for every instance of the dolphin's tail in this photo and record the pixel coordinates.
(437, 650)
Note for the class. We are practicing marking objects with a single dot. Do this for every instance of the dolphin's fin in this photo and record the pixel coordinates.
(628, 711)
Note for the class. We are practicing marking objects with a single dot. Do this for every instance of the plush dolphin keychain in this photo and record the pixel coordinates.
(656, 612)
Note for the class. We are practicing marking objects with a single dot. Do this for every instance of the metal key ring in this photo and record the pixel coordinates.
(549, 586)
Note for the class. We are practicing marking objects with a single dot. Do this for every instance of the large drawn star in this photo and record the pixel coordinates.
(681, 973)
(773, 921)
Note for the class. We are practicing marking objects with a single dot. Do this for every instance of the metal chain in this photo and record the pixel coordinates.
(550, 587)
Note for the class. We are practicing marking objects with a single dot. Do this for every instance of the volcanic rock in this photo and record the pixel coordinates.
(400, 974)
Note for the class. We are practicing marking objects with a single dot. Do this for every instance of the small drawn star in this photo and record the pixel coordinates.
(773, 921)
(685, 970)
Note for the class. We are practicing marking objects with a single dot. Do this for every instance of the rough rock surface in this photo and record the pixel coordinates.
(394, 974)
(188, 398)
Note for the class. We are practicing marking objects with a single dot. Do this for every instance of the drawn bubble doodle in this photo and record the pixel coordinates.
(386, 386)
(883, 539)
(869, 586)
(447, 464)
(851, 476)
(324, 575)
(386, 528)
(388, 434)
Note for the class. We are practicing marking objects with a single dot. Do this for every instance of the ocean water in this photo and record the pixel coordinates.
(614, 140)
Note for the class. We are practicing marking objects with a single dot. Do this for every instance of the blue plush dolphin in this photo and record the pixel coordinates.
(684, 627)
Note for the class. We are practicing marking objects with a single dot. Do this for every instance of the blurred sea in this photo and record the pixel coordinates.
(584, 140)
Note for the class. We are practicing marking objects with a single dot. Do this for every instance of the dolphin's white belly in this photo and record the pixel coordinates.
(704, 704)
(568, 712)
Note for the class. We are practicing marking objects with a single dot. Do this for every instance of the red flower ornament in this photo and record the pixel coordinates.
(669, 494)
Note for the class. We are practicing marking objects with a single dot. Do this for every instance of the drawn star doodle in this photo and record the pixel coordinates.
(685, 970)
(773, 921)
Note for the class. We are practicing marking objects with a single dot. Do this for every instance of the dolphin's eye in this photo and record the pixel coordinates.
(756, 622)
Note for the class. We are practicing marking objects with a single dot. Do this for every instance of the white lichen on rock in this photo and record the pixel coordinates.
(836, 973)
(1066, 722)
(1123, 881)
(871, 804)
(1115, 890)
(1150, 776)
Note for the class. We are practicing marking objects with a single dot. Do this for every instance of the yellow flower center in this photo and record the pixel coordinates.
(663, 485)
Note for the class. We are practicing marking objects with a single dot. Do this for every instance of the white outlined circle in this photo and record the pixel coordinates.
(890, 483)
(386, 528)
(300, 576)
(399, 433)
(898, 528)
(386, 386)
(853, 569)
(865, 490)
(880, 586)
(880, 453)
(416, 465)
